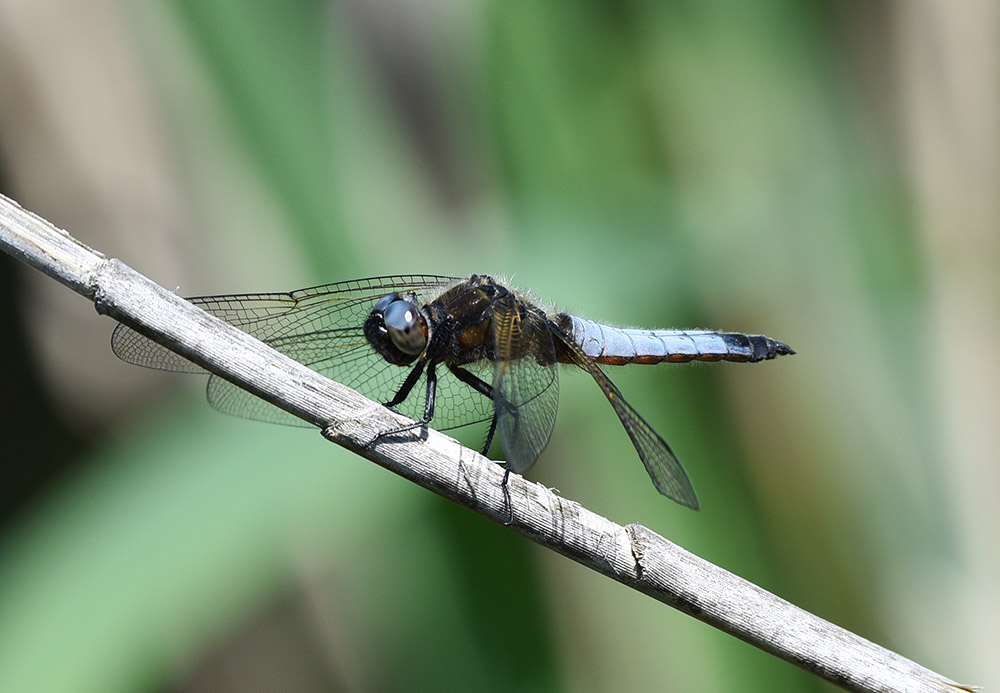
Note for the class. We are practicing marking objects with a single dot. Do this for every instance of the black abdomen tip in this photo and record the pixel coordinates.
(764, 348)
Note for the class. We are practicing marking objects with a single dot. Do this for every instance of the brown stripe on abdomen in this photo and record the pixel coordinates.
(620, 346)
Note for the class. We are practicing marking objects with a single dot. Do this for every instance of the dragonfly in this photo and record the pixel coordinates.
(477, 349)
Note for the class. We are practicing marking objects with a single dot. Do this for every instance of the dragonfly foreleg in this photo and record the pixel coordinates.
(431, 394)
(404, 390)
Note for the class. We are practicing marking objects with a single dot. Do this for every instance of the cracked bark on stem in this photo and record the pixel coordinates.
(633, 555)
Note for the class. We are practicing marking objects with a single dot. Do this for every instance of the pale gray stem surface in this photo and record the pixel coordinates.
(633, 555)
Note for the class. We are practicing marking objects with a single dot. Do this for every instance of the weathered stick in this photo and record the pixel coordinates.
(632, 555)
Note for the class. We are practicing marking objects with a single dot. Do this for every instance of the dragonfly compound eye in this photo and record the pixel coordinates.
(406, 326)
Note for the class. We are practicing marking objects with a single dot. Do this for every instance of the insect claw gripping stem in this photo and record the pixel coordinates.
(506, 499)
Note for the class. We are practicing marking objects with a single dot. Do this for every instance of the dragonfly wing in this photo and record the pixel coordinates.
(664, 468)
(232, 399)
(456, 405)
(273, 316)
(139, 350)
(320, 327)
(525, 382)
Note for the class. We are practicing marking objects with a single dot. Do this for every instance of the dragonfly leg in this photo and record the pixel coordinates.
(485, 389)
(497, 408)
(431, 394)
(506, 498)
(402, 394)
(489, 434)
(404, 390)
(473, 381)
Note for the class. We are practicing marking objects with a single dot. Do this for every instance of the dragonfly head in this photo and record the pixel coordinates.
(397, 330)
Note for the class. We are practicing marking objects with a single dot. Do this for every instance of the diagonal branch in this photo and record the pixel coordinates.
(632, 555)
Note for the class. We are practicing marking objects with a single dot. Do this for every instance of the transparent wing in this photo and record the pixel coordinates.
(526, 382)
(320, 327)
(323, 315)
(664, 468)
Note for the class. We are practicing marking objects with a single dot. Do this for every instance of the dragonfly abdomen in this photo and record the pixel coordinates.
(618, 346)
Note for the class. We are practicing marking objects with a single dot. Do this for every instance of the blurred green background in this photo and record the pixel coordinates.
(825, 173)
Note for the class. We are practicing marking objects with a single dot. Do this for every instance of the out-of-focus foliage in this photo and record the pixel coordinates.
(810, 172)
